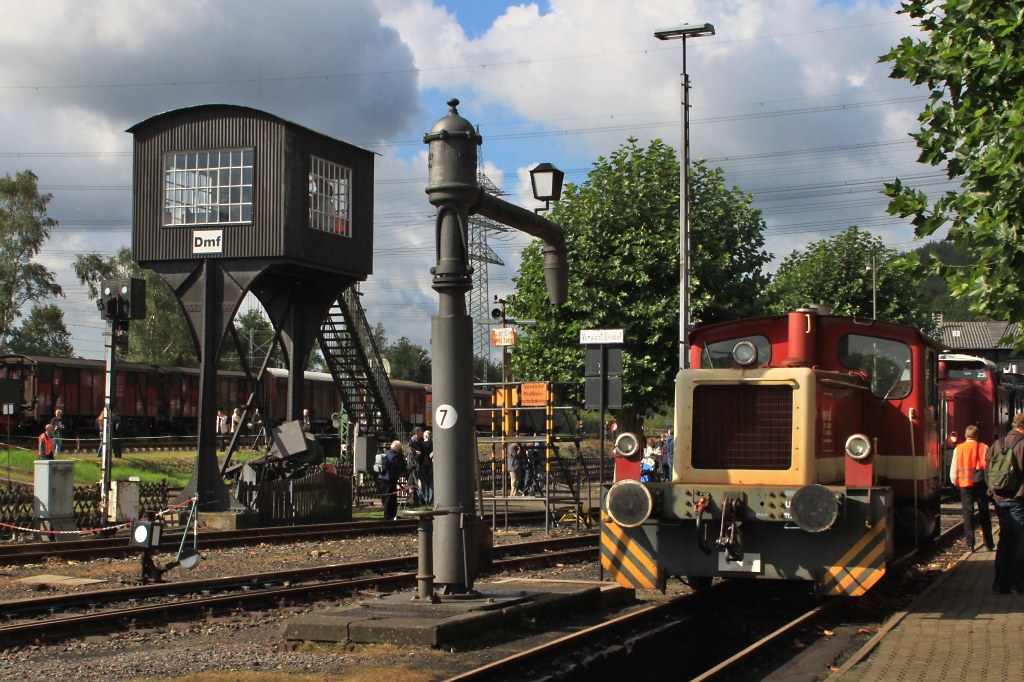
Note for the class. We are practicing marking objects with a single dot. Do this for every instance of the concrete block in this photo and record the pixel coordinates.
(229, 520)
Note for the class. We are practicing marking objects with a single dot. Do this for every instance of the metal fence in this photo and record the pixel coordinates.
(16, 508)
(321, 497)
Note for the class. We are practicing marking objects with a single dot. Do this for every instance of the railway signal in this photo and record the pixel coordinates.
(121, 300)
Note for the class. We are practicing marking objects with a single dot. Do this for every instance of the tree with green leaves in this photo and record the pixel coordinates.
(255, 332)
(837, 272)
(24, 228)
(935, 288)
(486, 370)
(972, 60)
(408, 361)
(163, 338)
(43, 333)
(622, 235)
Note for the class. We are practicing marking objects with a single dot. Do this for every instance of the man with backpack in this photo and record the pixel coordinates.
(967, 471)
(416, 467)
(1004, 467)
(391, 467)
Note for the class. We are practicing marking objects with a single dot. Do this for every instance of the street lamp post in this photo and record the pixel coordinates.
(681, 33)
(874, 285)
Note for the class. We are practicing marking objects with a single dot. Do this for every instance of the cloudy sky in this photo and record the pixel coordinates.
(787, 97)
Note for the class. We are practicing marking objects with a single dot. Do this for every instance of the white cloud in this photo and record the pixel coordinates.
(372, 72)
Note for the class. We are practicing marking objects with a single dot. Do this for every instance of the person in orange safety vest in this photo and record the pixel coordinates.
(967, 472)
(46, 444)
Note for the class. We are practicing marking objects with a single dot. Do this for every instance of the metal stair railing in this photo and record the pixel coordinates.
(338, 346)
(355, 363)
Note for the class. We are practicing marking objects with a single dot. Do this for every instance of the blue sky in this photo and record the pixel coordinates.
(788, 98)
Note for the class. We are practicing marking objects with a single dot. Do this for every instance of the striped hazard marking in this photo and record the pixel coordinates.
(627, 561)
(860, 568)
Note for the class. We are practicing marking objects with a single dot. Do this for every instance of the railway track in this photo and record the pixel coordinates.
(630, 643)
(117, 547)
(187, 599)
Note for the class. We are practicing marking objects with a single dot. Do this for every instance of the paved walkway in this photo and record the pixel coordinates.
(958, 631)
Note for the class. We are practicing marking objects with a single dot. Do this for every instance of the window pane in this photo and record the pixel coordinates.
(196, 184)
(718, 355)
(328, 197)
(885, 362)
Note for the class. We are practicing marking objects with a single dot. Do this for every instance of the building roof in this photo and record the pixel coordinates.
(976, 335)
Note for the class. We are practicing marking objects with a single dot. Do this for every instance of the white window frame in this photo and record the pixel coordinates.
(208, 187)
(330, 197)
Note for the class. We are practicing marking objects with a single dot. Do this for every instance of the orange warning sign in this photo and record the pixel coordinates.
(534, 394)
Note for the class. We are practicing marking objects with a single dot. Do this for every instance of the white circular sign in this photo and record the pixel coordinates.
(445, 417)
(141, 533)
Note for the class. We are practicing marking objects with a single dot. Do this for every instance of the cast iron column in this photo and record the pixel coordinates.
(452, 190)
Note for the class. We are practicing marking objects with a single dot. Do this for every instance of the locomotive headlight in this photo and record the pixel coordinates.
(858, 447)
(626, 445)
(744, 353)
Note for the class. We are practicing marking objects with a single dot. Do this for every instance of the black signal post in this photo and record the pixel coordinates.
(603, 374)
(121, 300)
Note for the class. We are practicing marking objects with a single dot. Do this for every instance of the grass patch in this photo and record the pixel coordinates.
(367, 513)
(151, 467)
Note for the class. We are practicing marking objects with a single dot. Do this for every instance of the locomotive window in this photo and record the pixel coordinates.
(968, 373)
(718, 355)
(886, 363)
(208, 188)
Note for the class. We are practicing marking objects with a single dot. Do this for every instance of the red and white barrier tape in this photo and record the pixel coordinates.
(88, 531)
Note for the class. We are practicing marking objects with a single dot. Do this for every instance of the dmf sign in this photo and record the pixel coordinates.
(208, 241)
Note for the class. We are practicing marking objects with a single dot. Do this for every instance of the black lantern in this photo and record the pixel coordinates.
(146, 532)
(547, 183)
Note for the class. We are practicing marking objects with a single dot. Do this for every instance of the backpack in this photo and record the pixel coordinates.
(380, 463)
(1003, 475)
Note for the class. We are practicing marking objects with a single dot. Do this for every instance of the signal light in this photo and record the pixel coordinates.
(123, 299)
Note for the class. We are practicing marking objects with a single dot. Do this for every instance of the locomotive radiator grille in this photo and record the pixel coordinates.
(742, 427)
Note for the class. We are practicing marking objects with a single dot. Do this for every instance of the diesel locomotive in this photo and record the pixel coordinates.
(804, 443)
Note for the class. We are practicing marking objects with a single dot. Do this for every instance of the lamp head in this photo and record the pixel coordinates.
(685, 31)
(547, 182)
